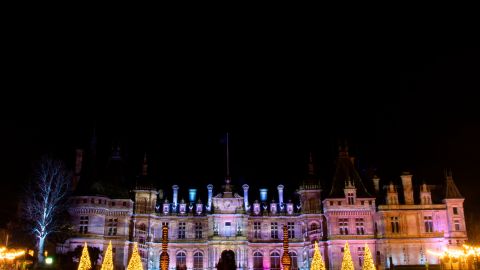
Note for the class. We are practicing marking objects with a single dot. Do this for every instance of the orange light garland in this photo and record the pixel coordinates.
(6, 254)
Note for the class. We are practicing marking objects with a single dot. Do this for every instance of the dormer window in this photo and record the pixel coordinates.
(350, 198)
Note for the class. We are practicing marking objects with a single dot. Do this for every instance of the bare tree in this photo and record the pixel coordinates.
(45, 200)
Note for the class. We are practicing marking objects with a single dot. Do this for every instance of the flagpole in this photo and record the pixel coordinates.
(228, 160)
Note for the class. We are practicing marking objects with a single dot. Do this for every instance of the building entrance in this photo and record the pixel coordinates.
(227, 261)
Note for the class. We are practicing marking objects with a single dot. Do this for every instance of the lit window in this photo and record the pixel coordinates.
(181, 260)
(112, 226)
(197, 261)
(394, 224)
(350, 198)
(83, 224)
(257, 231)
(181, 230)
(275, 261)
(428, 223)
(359, 224)
(343, 225)
(198, 230)
(291, 230)
(257, 261)
(274, 230)
(457, 225)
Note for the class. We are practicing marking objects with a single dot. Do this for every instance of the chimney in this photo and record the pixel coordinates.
(192, 194)
(175, 196)
(210, 194)
(407, 187)
(280, 195)
(245, 196)
(263, 194)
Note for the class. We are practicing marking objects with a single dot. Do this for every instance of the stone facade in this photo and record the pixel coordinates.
(398, 231)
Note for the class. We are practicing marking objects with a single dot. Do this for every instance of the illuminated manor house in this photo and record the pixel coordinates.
(399, 221)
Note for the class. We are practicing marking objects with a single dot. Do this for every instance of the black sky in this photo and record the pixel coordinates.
(398, 108)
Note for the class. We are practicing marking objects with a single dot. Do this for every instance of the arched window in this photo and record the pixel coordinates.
(275, 261)
(197, 260)
(294, 257)
(142, 227)
(181, 260)
(313, 226)
(257, 261)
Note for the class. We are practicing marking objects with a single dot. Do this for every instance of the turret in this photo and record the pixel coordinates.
(455, 214)
(425, 195)
(145, 200)
(392, 194)
(310, 190)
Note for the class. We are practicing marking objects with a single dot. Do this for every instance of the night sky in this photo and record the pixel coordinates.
(399, 109)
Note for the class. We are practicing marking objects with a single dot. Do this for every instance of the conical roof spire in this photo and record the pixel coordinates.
(451, 190)
(346, 176)
(311, 181)
(145, 165)
(311, 171)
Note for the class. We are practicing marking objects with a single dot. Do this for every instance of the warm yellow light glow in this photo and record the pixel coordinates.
(135, 261)
(464, 253)
(108, 259)
(10, 254)
(85, 263)
(347, 263)
(317, 261)
(368, 260)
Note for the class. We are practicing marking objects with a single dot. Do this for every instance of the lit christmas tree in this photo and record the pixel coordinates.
(347, 263)
(317, 261)
(108, 259)
(368, 260)
(135, 261)
(85, 263)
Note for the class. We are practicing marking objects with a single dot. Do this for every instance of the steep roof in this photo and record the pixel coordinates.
(451, 190)
(345, 173)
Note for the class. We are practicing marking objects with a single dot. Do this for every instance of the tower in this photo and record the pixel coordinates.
(310, 190)
(425, 194)
(455, 216)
